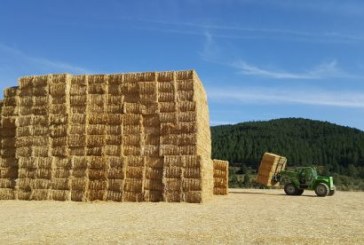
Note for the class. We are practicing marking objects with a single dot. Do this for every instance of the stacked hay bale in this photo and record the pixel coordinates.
(123, 137)
(270, 165)
(221, 177)
(8, 161)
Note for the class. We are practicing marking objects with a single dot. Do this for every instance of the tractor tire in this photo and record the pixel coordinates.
(322, 190)
(299, 192)
(290, 189)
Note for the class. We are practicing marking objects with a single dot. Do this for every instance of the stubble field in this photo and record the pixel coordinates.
(242, 217)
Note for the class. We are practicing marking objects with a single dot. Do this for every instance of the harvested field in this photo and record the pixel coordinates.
(242, 217)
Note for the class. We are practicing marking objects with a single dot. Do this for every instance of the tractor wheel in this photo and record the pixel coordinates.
(290, 189)
(322, 190)
(299, 192)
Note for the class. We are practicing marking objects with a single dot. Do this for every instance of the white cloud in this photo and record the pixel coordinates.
(257, 95)
(321, 71)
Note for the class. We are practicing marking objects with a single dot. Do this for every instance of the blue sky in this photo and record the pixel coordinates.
(258, 60)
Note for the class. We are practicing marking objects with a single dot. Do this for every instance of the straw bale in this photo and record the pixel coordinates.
(57, 119)
(40, 91)
(116, 79)
(97, 119)
(96, 129)
(27, 162)
(173, 184)
(56, 109)
(165, 150)
(95, 140)
(167, 107)
(40, 120)
(151, 108)
(114, 89)
(11, 92)
(61, 173)
(166, 97)
(154, 162)
(40, 151)
(8, 142)
(96, 79)
(168, 87)
(78, 89)
(8, 162)
(193, 197)
(41, 101)
(39, 130)
(140, 77)
(78, 151)
(59, 100)
(25, 91)
(26, 183)
(57, 89)
(151, 150)
(112, 150)
(78, 109)
(24, 121)
(191, 184)
(173, 172)
(11, 101)
(113, 140)
(185, 75)
(179, 139)
(7, 194)
(115, 162)
(7, 183)
(60, 141)
(97, 88)
(79, 162)
(132, 108)
(114, 108)
(132, 140)
(96, 99)
(97, 185)
(79, 100)
(185, 84)
(23, 110)
(151, 136)
(192, 173)
(133, 196)
(60, 195)
(184, 106)
(191, 161)
(42, 162)
(133, 185)
(78, 118)
(185, 95)
(58, 130)
(148, 99)
(34, 173)
(147, 87)
(154, 185)
(173, 161)
(79, 184)
(78, 129)
(132, 129)
(165, 76)
(168, 118)
(39, 81)
(8, 111)
(134, 172)
(114, 196)
(80, 173)
(189, 116)
(94, 151)
(76, 141)
(113, 119)
(116, 173)
(97, 174)
(115, 185)
(78, 196)
(23, 194)
(20, 152)
(97, 162)
(8, 173)
(170, 128)
(113, 130)
(173, 196)
(60, 151)
(131, 119)
(93, 195)
(39, 194)
(61, 184)
(135, 161)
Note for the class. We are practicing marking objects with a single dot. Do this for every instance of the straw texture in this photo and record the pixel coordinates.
(270, 164)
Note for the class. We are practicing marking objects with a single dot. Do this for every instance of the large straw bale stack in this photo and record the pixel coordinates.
(221, 177)
(122, 137)
(270, 165)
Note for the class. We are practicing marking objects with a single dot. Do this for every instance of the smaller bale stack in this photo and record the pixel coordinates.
(221, 177)
(270, 165)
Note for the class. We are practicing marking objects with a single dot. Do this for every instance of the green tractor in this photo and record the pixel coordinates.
(298, 179)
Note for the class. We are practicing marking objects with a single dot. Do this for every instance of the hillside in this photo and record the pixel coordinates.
(335, 149)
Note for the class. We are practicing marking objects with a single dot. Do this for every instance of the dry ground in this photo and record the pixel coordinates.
(242, 217)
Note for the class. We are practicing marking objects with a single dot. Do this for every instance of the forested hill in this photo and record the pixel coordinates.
(302, 141)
